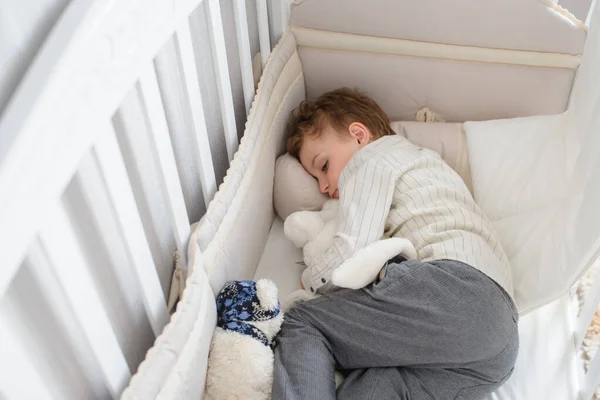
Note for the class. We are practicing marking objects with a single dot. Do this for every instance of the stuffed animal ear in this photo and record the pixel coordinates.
(266, 291)
(303, 226)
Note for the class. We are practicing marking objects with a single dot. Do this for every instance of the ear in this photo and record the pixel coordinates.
(360, 133)
(266, 291)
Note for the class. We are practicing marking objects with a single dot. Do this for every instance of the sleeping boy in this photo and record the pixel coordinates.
(440, 327)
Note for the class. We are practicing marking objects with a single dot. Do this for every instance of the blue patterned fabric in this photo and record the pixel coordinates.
(238, 303)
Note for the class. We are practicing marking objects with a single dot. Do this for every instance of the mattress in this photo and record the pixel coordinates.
(547, 365)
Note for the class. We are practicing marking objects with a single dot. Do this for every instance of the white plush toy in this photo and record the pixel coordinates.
(314, 231)
(240, 361)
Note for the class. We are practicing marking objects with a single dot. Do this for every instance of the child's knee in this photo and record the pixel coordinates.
(299, 332)
(292, 317)
(499, 367)
(300, 320)
(298, 316)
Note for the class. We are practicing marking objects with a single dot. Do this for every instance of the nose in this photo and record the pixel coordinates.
(323, 186)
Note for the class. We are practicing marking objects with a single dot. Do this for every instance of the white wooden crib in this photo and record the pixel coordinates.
(114, 145)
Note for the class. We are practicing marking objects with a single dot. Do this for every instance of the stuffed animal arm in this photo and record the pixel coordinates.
(314, 232)
(363, 267)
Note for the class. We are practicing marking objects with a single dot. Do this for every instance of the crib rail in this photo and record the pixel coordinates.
(114, 143)
(581, 9)
(590, 380)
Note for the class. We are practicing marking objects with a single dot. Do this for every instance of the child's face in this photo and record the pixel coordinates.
(326, 156)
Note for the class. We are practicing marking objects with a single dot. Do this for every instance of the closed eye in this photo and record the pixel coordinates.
(325, 166)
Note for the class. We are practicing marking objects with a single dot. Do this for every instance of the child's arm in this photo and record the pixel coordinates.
(365, 200)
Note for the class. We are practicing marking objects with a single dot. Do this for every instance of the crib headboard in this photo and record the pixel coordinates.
(114, 143)
(465, 60)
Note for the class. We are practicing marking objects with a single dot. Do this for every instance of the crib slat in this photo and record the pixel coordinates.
(589, 308)
(120, 193)
(64, 354)
(263, 30)
(25, 206)
(579, 8)
(194, 97)
(224, 83)
(20, 380)
(589, 13)
(102, 241)
(592, 378)
(69, 265)
(243, 41)
(163, 149)
(280, 18)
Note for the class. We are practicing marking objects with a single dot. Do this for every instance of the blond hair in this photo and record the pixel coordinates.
(338, 108)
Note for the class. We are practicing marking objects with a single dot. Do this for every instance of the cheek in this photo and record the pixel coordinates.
(334, 174)
(341, 164)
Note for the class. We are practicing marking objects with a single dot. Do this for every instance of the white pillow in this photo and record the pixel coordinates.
(294, 189)
(520, 170)
(517, 164)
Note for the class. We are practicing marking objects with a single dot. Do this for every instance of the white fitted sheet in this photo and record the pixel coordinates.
(547, 365)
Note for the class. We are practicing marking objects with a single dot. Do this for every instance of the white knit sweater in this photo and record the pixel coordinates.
(394, 188)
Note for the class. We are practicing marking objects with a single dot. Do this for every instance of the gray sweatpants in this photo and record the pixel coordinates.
(439, 330)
